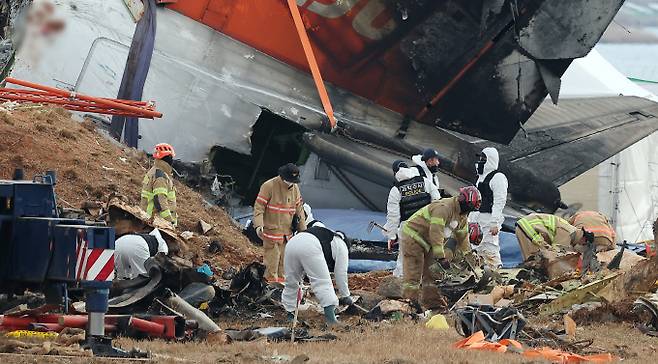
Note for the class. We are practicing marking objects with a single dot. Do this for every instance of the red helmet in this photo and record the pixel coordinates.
(162, 150)
(469, 199)
(474, 233)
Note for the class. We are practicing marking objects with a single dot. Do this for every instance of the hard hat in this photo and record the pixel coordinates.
(429, 153)
(162, 150)
(399, 164)
(289, 173)
(474, 233)
(469, 199)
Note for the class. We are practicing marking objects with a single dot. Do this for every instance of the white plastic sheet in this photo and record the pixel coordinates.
(627, 183)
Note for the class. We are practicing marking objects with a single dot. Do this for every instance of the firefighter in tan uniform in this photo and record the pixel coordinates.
(426, 236)
(545, 231)
(158, 191)
(597, 223)
(279, 202)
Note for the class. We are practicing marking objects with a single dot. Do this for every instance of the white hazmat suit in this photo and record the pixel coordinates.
(489, 248)
(304, 256)
(393, 223)
(130, 253)
(429, 176)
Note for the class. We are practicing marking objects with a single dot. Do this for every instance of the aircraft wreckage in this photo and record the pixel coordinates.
(233, 84)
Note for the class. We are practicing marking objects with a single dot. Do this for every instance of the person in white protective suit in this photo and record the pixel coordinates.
(492, 185)
(315, 252)
(310, 220)
(132, 250)
(410, 193)
(428, 165)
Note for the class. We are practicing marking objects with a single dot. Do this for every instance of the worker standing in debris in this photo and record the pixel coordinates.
(132, 250)
(278, 203)
(597, 223)
(492, 185)
(538, 231)
(158, 191)
(426, 234)
(316, 252)
(428, 165)
(410, 193)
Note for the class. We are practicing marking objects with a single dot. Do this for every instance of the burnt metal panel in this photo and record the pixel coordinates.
(567, 141)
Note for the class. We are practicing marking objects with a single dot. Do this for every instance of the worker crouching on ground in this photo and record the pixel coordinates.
(132, 250)
(316, 252)
(158, 191)
(597, 223)
(410, 193)
(492, 185)
(278, 202)
(426, 235)
(538, 232)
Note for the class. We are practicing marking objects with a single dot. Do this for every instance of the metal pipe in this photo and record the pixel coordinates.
(74, 95)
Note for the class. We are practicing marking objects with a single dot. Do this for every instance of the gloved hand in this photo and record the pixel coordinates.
(392, 243)
(588, 236)
(345, 301)
(259, 232)
(449, 249)
(330, 315)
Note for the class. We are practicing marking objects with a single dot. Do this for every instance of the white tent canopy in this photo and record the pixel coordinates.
(627, 191)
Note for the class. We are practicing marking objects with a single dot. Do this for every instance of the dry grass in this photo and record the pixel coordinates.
(405, 342)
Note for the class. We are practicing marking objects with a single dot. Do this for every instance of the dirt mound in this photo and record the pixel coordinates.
(90, 168)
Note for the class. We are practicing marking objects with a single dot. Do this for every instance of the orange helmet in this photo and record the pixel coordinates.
(162, 150)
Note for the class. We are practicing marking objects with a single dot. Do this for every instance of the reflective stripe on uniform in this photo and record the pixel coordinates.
(160, 191)
(526, 226)
(414, 235)
(437, 221)
(550, 223)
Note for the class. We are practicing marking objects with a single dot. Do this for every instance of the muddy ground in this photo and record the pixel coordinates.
(90, 168)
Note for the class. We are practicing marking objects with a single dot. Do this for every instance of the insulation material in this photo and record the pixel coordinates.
(628, 192)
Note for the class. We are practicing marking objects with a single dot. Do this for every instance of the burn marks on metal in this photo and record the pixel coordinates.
(483, 67)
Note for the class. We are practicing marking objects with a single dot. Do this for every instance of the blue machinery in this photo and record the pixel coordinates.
(42, 252)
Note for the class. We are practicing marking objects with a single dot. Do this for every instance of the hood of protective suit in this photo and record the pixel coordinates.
(418, 160)
(492, 160)
(309, 213)
(158, 236)
(406, 173)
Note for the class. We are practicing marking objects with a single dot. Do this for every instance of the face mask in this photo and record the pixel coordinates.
(479, 167)
(433, 169)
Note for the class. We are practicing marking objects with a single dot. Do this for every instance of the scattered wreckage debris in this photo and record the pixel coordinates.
(647, 310)
(495, 322)
(42, 138)
(66, 342)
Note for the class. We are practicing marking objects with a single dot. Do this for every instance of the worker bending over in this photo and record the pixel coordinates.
(597, 223)
(410, 193)
(492, 185)
(316, 252)
(278, 202)
(426, 235)
(158, 191)
(544, 231)
(132, 250)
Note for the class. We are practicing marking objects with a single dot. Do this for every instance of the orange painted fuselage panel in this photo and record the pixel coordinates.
(355, 42)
